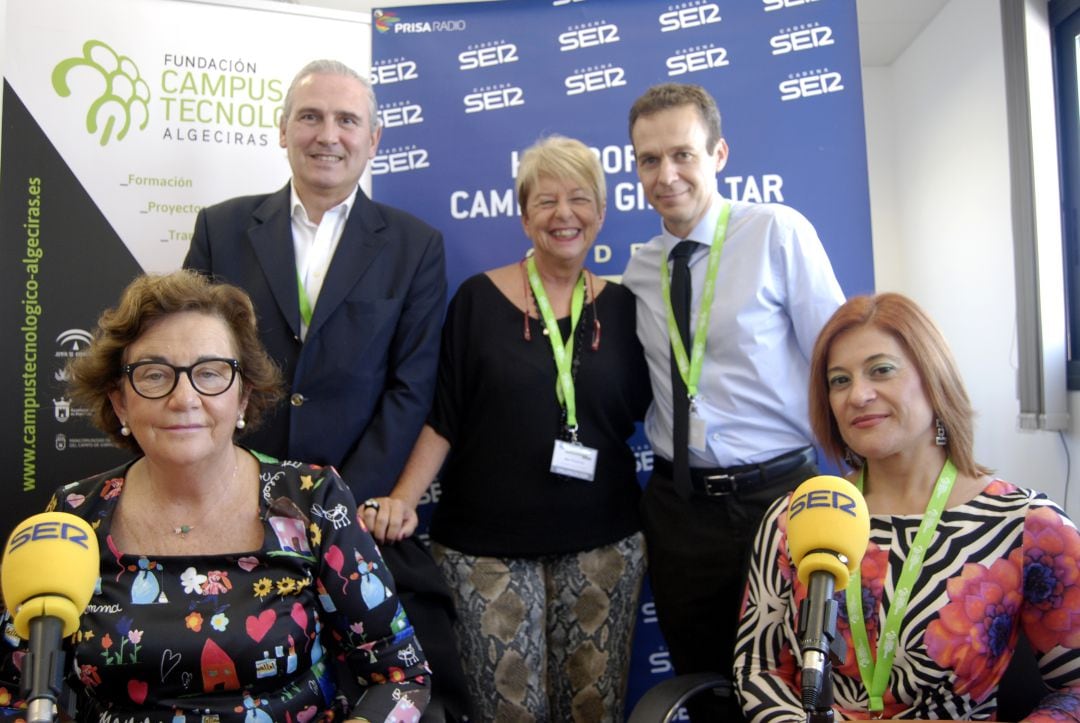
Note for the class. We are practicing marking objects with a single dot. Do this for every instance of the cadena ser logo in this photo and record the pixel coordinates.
(485, 55)
(493, 97)
(801, 37)
(399, 160)
(384, 19)
(124, 98)
(397, 70)
(692, 60)
(401, 113)
(588, 35)
(592, 79)
(689, 15)
(810, 83)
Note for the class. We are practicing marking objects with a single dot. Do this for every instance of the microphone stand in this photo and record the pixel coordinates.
(817, 692)
(43, 669)
(821, 711)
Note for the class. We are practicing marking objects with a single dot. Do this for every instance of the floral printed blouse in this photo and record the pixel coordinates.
(1006, 560)
(306, 628)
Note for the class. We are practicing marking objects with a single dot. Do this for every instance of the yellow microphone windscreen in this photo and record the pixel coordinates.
(828, 528)
(51, 566)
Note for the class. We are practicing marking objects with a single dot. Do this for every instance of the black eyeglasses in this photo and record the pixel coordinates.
(154, 379)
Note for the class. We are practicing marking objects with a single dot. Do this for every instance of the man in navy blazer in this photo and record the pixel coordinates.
(350, 296)
(362, 371)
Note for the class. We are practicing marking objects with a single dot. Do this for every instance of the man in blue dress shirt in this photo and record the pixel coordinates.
(740, 416)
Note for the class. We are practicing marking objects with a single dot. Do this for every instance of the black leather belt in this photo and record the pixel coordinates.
(719, 481)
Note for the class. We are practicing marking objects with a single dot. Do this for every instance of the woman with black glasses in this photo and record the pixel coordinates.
(232, 585)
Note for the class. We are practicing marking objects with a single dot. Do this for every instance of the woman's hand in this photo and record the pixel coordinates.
(389, 519)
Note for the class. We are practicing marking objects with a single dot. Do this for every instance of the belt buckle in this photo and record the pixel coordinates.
(718, 485)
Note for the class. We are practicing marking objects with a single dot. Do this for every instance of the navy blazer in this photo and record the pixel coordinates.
(360, 385)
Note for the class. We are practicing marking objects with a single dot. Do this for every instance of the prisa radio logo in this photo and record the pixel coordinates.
(801, 37)
(396, 71)
(693, 60)
(593, 79)
(689, 17)
(403, 114)
(487, 55)
(385, 20)
(493, 98)
(400, 160)
(811, 83)
(588, 36)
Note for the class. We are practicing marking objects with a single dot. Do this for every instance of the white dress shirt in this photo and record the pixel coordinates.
(314, 244)
(775, 289)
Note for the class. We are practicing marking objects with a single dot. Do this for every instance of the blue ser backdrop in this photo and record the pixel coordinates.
(464, 88)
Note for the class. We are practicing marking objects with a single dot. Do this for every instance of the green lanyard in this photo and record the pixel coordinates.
(564, 353)
(690, 369)
(305, 302)
(875, 677)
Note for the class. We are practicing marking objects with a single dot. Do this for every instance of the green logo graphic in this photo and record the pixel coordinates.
(124, 93)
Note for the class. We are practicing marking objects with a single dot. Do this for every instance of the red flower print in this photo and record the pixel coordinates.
(1051, 581)
(975, 631)
(999, 488)
(106, 641)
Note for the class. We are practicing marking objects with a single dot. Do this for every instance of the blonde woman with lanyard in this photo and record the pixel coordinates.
(536, 530)
(958, 561)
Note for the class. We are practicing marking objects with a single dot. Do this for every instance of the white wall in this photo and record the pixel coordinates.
(939, 186)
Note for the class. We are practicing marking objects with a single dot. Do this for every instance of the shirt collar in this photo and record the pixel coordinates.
(703, 232)
(299, 212)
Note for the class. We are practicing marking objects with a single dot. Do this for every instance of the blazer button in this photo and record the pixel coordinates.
(297, 400)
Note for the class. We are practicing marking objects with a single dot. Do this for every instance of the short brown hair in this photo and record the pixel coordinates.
(674, 95)
(562, 158)
(920, 338)
(150, 298)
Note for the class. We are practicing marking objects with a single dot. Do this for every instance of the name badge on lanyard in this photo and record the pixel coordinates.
(697, 432)
(569, 458)
(574, 460)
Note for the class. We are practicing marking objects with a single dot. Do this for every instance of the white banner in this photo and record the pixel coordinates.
(121, 119)
(160, 107)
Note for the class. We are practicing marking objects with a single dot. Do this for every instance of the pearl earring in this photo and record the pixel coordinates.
(124, 431)
(241, 423)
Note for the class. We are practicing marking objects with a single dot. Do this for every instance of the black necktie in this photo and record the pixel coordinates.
(680, 305)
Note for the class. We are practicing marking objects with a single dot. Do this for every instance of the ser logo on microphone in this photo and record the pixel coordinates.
(834, 499)
(49, 531)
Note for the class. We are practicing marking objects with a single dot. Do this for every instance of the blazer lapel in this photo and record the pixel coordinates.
(360, 244)
(271, 238)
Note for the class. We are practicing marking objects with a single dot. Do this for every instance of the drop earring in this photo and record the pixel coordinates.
(941, 438)
(241, 423)
(853, 460)
(124, 431)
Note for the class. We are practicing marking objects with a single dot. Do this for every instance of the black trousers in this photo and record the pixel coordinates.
(430, 608)
(699, 551)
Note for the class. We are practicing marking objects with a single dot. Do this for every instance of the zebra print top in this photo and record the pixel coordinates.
(1009, 558)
